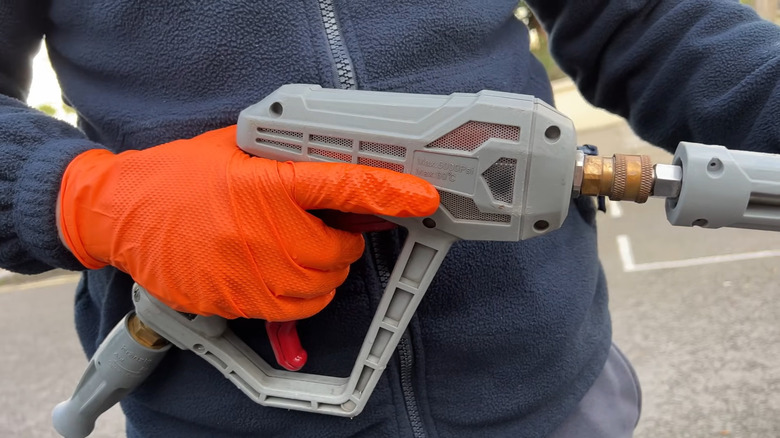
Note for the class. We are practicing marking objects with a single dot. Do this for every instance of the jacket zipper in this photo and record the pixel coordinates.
(346, 78)
(338, 50)
(404, 349)
(406, 357)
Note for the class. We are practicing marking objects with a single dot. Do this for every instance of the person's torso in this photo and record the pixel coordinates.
(509, 335)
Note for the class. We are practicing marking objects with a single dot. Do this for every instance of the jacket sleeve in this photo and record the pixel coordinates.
(34, 151)
(706, 71)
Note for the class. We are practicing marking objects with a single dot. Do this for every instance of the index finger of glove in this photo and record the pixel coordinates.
(360, 189)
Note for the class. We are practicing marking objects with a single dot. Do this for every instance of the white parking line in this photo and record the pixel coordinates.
(54, 281)
(629, 265)
(615, 210)
(4, 273)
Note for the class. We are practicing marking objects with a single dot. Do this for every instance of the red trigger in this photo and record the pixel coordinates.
(286, 344)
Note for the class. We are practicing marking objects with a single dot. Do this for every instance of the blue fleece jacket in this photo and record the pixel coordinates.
(510, 335)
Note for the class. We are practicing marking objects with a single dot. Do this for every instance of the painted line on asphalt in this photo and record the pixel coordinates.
(615, 210)
(4, 273)
(629, 265)
(626, 256)
(55, 281)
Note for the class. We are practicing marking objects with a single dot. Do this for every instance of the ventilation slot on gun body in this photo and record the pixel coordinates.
(463, 208)
(336, 156)
(398, 167)
(325, 146)
(383, 149)
(471, 135)
(324, 140)
(386, 156)
(500, 178)
(276, 138)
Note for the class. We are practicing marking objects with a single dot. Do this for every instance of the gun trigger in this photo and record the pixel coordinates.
(286, 345)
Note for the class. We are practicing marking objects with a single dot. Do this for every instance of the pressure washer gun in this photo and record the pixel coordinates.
(506, 167)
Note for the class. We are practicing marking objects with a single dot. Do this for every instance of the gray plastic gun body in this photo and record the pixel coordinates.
(504, 167)
(503, 164)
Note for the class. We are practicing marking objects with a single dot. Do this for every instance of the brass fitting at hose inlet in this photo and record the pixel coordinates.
(144, 335)
(620, 177)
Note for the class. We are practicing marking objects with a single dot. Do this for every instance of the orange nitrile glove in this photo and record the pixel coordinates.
(210, 230)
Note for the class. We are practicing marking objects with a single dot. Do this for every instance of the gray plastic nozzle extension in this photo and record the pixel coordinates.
(118, 366)
(725, 188)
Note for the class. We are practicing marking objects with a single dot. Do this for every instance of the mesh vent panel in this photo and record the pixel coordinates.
(398, 167)
(472, 135)
(280, 132)
(335, 141)
(339, 156)
(278, 144)
(500, 177)
(383, 149)
(464, 208)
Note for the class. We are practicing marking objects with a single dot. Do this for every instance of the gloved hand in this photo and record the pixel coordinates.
(210, 230)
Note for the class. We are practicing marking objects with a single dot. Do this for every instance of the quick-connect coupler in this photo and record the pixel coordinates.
(625, 177)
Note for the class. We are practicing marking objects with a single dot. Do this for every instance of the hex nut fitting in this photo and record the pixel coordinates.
(598, 173)
(668, 180)
(145, 335)
(579, 163)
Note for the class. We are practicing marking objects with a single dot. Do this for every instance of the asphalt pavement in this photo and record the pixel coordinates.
(697, 311)
(42, 359)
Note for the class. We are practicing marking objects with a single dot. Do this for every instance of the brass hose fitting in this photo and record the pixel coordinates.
(620, 177)
(144, 335)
